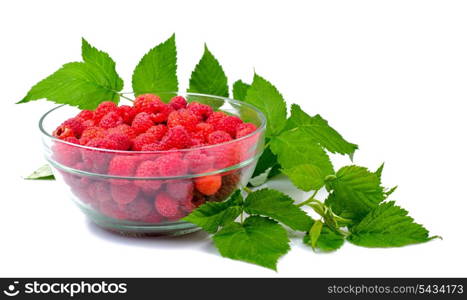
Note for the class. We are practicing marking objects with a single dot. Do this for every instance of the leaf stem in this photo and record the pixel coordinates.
(125, 97)
(247, 189)
(309, 200)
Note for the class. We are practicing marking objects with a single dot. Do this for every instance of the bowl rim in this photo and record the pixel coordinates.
(259, 129)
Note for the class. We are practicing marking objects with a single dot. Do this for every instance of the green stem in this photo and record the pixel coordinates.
(247, 189)
(125, 97)
(309, 200)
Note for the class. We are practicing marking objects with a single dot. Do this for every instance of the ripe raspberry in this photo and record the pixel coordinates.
(181, 190)
(161, 113)
(229, 124)
(218, 137)
(176, 138)
(148, 168)
(198, 161)
(229, 185)
(244, 129)
(204, 129)
(100, 191)
(91, 133)
(215, 117)
(97, 161)
(177, 102)
(146, 103)
(123, 129)
(112, 210)
(127, 113)
(72, 140)
(158, 131)
(153, 147)
(198, 199)
(171, 165)
(138, 209)
(123, 194)
(110, 120)
(77, 181)
(70, 128)
(102, 143)
(66, 154)
(103, 109)
(166, 206)
(88, 123)
(153, 217)
(183, 118)
(123, 142)
(85, 115)
(82, 194)
(208, 185)
(225, 156)
(143, 139)
(142, 122)
(201, 111)
(122, 166)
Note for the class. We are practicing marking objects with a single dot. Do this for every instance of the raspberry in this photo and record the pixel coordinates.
(198, 199)
(153, 217)
(171, 165)
(82, 194)
(127, 113)
(208, 185)
(176, 138)
(161, 113)
(66, 154)
(244, 129)
(177, 102)
(72, 140)
(77, 181)
(180, 189)
(158, 131)
(121, 166)
(201, 111)
(229, 124)
(138, 209)
(97, 161)
(91, 133)
(218, 137)
(110, 120)
(112, 210)
(166, 206)
(198, 162)
(124, 194)
(215, 117)
(204, 129)
(146, 103)
(88, 123)
(70, 128)
(153, 147)
(225, 156)
(100, 191)
(229, 185)
(102, 143)
(85, 115)
(123, 142)
(142, 122)
(143, 139)
(148, 168)
(103, 109)
(183, 118)
(123, 129)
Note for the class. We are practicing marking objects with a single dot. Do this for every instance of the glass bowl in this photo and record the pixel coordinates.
(132, 205)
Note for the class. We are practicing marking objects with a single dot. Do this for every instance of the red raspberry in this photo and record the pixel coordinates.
(123, 129)
(183, 118)
(244, 129)
(97, 161)
(88, 124)
(85, 115)
(204, 129)
(103, 109)
(181, 190)
(153, 217)
(215, 117)
(124, 194)
(123, 142)
(138, 209)
(208, 185)
(92, 133)
(77, 181)
(127, 113)
(166, 206)
(124, 166)
(229, 124)
(218, 137)
(148, 168)
(161, 113)
(82, 194)
(171, 165)
(70, 128)
(225, 156)
(201, 111)
(177, 102)
(102, 143)
(146, 103)
(112, 210)
(110, 120)
(198, 162)
(143, 139)
(158, 131)
(66, 154)
(142, 122)
(153, 147)
(176, 138)
(100, 191)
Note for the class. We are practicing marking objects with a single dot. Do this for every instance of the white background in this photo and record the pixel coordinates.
(389, 75)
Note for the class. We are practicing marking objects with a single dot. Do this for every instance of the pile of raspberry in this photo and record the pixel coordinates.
(149, 133)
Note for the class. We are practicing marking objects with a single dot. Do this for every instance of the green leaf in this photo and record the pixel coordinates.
(157, 70)
(208, 77)
(276, 205)
(328, 240)
(82, 84)
(267, 98)
(379, 171)
(266, 161)
(388, 225)
(212, 215)
(240, 89)
(356, 191)
(296, 147)
(258, 240)
(315, 232)
(43, 173)
(306, 177)
(319, 129)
